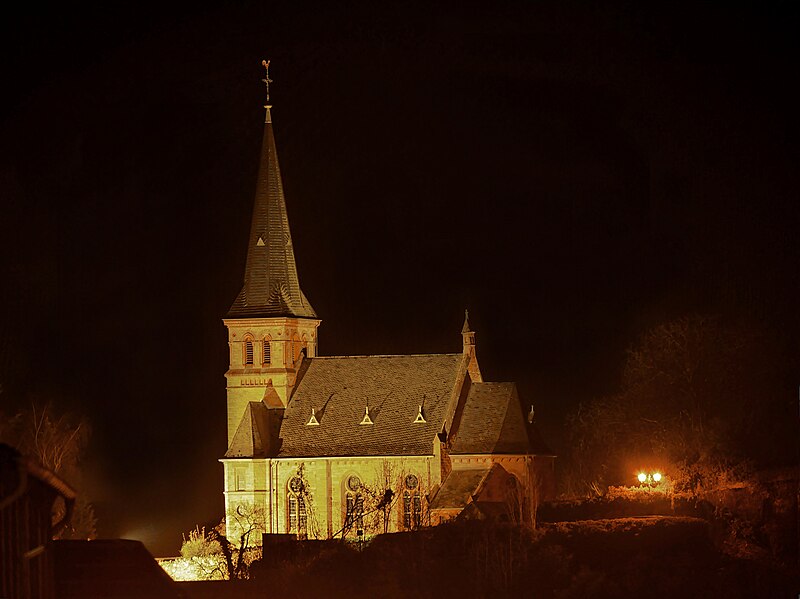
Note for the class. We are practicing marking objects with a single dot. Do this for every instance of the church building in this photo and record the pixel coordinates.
(351, 446)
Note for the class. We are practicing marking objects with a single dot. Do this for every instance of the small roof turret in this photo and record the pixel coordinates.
(465, 328)
(468, 349)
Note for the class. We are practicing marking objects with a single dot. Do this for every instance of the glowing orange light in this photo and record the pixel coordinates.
(657, 476)
(642, 477)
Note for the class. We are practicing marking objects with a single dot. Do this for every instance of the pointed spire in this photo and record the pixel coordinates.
(468, 349)
(271, 286)
(465, 328)
(467, 334)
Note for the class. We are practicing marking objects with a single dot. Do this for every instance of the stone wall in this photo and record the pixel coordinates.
(325, 489)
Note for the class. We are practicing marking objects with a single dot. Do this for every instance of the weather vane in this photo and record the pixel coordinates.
(266, 80)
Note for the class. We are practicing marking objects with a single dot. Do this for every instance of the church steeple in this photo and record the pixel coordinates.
(271, 326)
(271, 286)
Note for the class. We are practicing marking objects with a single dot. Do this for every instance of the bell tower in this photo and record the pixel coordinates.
(271, 325)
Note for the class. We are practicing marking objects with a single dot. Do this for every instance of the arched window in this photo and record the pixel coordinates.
(296, 509)
(248, 352)
(266, 352)
(412, 503)
(354, 506)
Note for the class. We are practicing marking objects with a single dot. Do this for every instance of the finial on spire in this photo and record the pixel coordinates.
(267, 81)
(465, 328)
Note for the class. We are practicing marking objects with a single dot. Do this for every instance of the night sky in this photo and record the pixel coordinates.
(573, 176)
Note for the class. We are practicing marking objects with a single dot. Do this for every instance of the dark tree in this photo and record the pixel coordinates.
(698, 397)
(57, 441)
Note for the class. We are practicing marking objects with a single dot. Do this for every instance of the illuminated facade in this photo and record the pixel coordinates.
(357, 445)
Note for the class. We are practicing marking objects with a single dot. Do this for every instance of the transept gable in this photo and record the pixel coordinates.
(491, 421)
(459, 487)
(488, 482)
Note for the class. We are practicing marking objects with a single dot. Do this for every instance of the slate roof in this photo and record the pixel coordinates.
(271, 286)
(393, 387)
(340, 388)
(492, 422)
(459, 487)
(255, 437)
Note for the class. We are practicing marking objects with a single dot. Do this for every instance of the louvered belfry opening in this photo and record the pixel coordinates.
(248, 352)
(266, 352)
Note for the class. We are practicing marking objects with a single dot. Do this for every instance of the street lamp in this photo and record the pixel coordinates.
(649, 478)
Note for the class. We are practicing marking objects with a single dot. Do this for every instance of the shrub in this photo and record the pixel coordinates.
(199, 545)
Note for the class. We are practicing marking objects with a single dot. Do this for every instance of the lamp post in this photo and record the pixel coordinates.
(651, 479)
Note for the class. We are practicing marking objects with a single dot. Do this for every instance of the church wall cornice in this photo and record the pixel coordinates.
(270, 321)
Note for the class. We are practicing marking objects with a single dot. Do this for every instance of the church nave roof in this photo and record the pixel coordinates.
(392, 388)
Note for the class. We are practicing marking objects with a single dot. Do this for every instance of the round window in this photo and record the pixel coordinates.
(411, 482)
(295, 484)
(353, 483)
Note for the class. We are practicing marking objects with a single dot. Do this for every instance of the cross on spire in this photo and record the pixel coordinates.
(266, 79)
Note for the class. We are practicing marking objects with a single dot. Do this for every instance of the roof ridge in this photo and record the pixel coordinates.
(383, 356)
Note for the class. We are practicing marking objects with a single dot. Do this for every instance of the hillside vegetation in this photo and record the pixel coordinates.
(651, 557)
